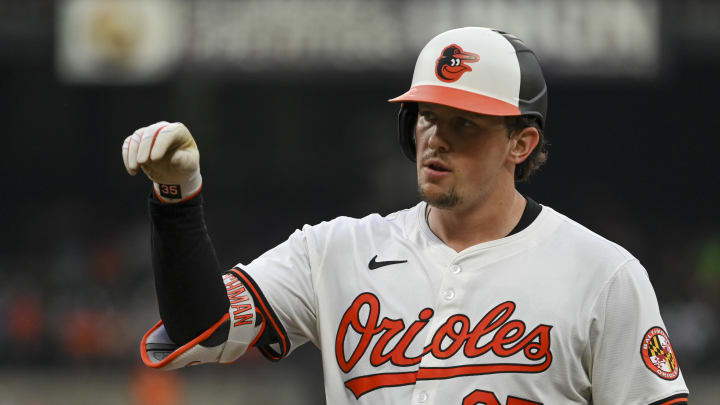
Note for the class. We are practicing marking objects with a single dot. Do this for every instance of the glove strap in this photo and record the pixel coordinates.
(177, 193)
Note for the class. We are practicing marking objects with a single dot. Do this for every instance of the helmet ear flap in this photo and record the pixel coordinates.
(407, 118)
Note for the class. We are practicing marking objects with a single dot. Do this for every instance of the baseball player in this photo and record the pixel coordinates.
(476, 295)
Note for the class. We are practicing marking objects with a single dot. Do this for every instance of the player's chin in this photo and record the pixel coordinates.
(437, 195)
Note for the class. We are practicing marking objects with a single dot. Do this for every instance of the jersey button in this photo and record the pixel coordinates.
(455, 269)
(422, 397)
(449, 294)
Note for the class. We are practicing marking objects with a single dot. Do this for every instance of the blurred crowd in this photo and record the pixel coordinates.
(90, 297)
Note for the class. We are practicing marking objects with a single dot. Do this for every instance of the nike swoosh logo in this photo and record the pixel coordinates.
(376, 265)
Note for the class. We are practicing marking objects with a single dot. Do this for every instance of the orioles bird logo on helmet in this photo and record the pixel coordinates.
(452, 63)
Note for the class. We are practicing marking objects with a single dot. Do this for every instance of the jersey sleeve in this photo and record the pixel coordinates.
(281, 283)
(633, 361)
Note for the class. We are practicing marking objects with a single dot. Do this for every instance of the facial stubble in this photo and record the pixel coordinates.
(444, 200)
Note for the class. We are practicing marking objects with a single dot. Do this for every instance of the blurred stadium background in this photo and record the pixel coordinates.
(287, 101)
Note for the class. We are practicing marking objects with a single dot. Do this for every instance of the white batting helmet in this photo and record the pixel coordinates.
(474, 69)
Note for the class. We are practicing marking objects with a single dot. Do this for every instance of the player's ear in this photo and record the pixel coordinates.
(523, 142)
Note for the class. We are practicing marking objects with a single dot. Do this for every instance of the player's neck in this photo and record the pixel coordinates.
(462, 227)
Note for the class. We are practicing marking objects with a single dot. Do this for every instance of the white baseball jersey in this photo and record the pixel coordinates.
(553, 314)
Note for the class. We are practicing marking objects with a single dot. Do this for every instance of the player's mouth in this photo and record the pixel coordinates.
(435, 167)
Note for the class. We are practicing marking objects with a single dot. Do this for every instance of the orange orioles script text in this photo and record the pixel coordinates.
(453, 335)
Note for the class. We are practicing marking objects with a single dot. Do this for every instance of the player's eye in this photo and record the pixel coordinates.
(428, 116)
(463, 123)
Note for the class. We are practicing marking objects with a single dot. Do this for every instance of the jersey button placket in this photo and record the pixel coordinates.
(425, 390)
(448, 293)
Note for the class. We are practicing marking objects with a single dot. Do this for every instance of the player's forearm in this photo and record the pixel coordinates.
(190, 291)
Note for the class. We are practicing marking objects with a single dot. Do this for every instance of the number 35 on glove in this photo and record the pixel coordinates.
(168, 155)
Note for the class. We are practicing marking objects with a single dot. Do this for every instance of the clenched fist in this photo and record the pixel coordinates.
(168, 155)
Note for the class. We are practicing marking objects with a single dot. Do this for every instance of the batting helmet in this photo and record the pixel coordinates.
(474, 69)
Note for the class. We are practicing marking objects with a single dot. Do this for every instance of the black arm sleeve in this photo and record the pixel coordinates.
(188, 281)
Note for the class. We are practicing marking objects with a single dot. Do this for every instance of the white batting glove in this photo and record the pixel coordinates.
(168, 155)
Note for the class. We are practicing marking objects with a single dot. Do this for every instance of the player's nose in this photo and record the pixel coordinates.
(436, 138)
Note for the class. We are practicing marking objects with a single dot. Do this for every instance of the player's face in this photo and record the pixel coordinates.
(461, 156)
